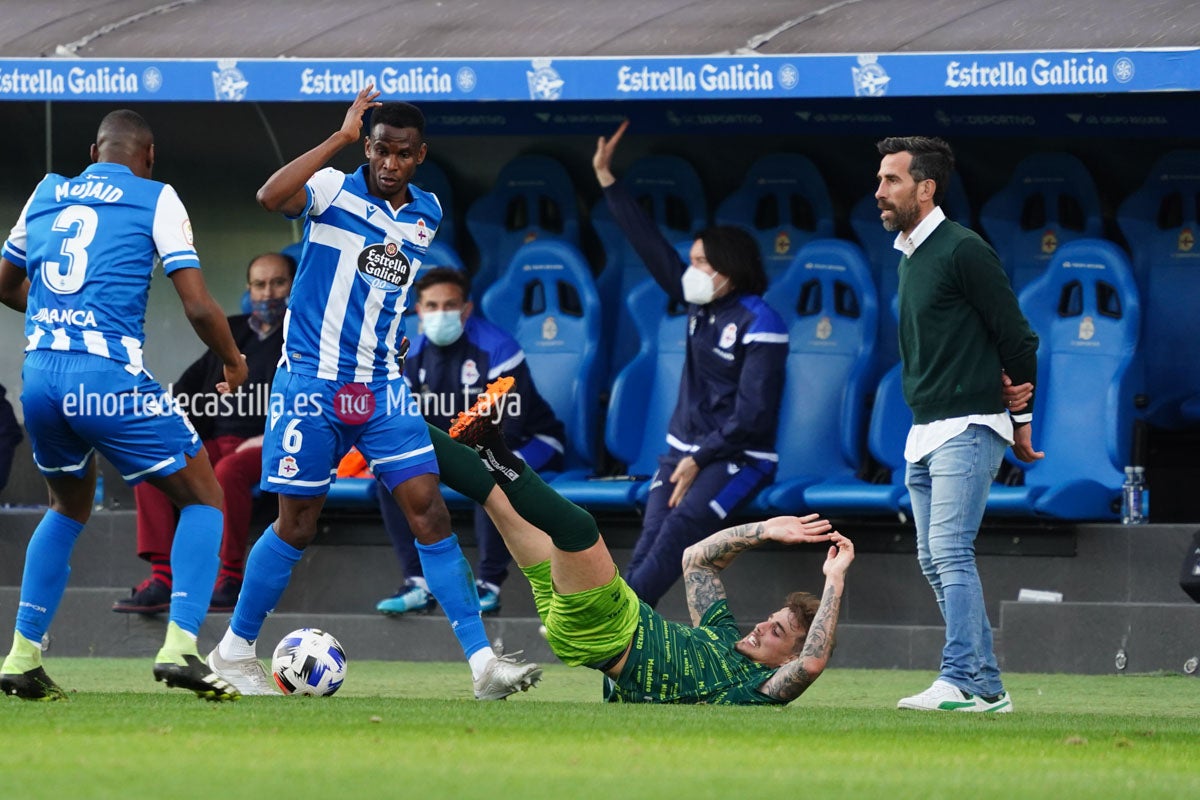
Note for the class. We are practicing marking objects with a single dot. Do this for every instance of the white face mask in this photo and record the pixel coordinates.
(442, 327)
(698, 286)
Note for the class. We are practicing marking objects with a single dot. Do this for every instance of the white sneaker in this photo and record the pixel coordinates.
(941, 696)
(247, 675)
(506, 675)
(1000, 704)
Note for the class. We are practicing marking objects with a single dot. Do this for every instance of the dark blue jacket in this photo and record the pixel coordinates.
(732, 384)
(446, 380)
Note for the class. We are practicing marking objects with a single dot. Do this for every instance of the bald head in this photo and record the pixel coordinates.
(124, 137)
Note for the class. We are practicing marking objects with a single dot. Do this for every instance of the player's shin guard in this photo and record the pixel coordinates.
(450, 580)
(47, 568)
(569, 526)
(268, 570)
(194, 564)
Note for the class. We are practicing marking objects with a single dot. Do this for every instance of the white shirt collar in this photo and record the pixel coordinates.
(909, 244)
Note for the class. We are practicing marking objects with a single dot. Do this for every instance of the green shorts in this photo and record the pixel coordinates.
(586, 628)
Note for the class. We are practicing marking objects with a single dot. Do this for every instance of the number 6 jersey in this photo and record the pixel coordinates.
(88, 245)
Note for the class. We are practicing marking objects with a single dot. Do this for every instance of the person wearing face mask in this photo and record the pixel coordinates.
(721, 436)
(449, 364)
(231, 428)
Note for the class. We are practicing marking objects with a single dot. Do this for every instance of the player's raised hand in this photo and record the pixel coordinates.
(798, 530)
(602, 160)
(352, 125)
(839, 557)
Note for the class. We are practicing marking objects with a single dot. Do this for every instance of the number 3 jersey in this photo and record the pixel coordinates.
(88, 246)
(360, 257)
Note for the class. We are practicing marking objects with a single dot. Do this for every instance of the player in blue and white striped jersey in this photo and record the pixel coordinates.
(78, 264)
(340, 383)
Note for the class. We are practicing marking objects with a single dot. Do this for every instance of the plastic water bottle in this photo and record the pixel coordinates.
(98, 499)
(1134, 497)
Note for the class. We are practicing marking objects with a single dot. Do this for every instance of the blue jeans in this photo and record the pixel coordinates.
(949, 489)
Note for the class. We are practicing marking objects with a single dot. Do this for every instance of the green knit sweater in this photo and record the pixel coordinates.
(959, 327)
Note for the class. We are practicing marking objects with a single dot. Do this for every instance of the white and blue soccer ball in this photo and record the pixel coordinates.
(310, 662)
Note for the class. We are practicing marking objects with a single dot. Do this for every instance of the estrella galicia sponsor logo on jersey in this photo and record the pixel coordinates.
(75, 317)
(384, 266)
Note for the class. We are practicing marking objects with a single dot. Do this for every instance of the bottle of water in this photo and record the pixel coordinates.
(1133, 497)
(1139, 479)
(98, 499)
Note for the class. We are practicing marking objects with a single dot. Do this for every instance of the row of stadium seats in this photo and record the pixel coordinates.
(783, 201)
(841, 432)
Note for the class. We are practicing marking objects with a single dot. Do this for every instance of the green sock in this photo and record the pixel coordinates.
(460, 467)
(24, 656)
(178, 643)
(570, 527)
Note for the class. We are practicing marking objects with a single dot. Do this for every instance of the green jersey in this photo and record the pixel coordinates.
(674, 663)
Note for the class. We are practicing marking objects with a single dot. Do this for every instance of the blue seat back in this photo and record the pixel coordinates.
(646, 391)
(885, 259)
(1087, 315)
(1051, 199)
(547, 300)
(1161, 222)
(784, 203)
(532, 198)
(669, 190)
(827, 300)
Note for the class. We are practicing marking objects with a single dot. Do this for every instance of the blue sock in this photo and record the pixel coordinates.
(47, 567)
(451, 582)
(268, 570)
(194, 564)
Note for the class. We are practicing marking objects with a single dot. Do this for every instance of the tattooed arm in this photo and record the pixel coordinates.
(703, 561)
(790, 680)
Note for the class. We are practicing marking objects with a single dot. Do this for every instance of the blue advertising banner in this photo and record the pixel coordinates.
(592, 79)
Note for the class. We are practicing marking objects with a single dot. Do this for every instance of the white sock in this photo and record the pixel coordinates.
(479, 661)
(235, 648)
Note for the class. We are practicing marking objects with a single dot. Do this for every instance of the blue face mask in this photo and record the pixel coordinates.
(442, 327)
(269, 313)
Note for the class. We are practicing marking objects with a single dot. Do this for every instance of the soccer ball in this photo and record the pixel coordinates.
(309, 661)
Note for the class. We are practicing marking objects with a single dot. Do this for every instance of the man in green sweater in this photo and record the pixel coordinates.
(963, 340)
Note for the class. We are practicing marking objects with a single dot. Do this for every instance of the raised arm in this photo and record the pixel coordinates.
(284, 191)
(703, 561)
(790, 680)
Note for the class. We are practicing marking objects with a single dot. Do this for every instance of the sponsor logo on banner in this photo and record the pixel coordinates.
(544, 82)
(77, 81)
(390, 81)
(711, 78)
(1041, 71)
(870, 79)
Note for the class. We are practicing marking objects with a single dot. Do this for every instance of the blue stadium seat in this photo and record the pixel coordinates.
(547, 300)
(532, 198)
(827, 300)
(1051, 199)
(669, 190)
(784, 203)
(884, 258)
(1086, 312)
(1161, 222)
(643, 398)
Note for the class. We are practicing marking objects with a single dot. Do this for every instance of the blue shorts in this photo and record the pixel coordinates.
(77, 403)
(313, 422)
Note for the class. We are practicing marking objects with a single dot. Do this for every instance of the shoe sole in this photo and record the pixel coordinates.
(466, 426)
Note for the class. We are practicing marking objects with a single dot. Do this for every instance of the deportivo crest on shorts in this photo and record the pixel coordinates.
(384, 266)
(288, 467)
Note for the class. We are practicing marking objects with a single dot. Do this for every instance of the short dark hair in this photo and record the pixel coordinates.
(399, 115)
(289, 263)
(932, 159)
(804, 607)
(733, 252)
(435, 275)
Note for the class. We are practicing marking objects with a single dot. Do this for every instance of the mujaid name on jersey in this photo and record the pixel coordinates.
(101, 80)
(709, 78)
(1042, 72)
(104, 192)
(390, 80)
